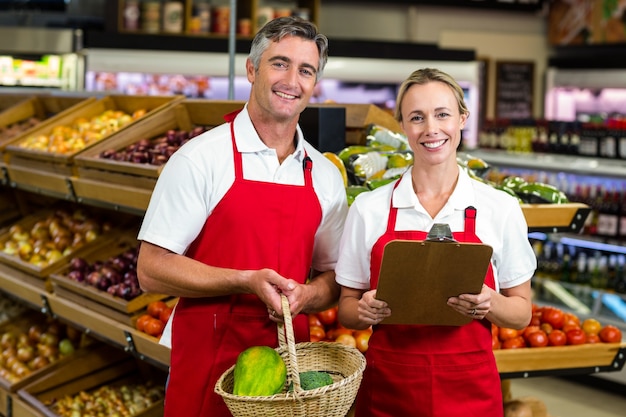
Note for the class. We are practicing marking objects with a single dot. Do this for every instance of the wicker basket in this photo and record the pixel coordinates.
(345, 364)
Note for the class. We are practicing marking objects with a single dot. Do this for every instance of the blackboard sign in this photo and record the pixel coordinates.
(514, 90)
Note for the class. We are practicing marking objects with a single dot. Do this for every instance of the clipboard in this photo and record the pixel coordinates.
(417, 278)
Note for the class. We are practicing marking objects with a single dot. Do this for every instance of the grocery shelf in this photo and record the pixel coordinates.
(561, 360)
(553, 162)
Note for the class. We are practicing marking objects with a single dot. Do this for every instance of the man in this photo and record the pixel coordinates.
(241, 214)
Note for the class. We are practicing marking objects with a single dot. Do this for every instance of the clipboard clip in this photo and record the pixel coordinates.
(440, 232)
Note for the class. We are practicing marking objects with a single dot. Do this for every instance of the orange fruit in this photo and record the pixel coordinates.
(346, 339)
(591, 326)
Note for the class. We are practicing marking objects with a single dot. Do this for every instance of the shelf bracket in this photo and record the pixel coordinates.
(70, 189)
(5, 176)
(45, 309)
(130, 345)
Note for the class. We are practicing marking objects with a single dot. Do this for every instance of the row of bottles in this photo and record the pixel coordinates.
(604, 140)
(581, 266)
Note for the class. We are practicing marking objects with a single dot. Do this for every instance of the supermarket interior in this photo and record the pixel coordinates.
(545, 85)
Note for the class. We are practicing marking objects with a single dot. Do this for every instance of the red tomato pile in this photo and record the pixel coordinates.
(324, 326)
(153, 321)
(551, 326)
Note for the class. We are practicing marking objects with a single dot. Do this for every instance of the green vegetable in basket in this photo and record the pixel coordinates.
(313, 379)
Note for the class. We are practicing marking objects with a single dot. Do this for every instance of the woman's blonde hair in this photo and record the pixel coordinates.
(425, 76)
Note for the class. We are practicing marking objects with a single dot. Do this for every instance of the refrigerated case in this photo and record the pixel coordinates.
(44, 58)
(583, 94)
(206, 75)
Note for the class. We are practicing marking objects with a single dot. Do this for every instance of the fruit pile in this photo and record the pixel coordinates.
(52, 237)
(155, 318)
(34, 345)
(324, 326)
(15, 129)
(108, 400)
(551, 326)
(386, 156)
(82, 132)
(154, 151)
(116, 275)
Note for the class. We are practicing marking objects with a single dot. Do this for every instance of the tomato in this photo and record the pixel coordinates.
(154, 308)
(528, 330)
(328, 317)
(140, 324)
(591, 326)
(506, 333)
(334, 333)
(154, 327)
(553, 316)
(165, 314)
(495, 342)
(346, 339)
(557, 337)
(571, 318)
(362, 339)
(576, 336)
(316, 333)
(536, 318)
(610, 334)
(593, 338)
(514, 343)
(537, 339)
(314, 321)
(546, 327)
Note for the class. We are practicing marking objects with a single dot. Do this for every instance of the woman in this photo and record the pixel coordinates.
(423, 370)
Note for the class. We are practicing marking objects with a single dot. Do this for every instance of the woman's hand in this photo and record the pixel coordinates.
(475, 306)
(372, 310)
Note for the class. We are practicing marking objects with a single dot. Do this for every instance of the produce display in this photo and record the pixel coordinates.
(82, 132)
(153, 321)
(259, 371)
(324, 326)
(33, 344)
(116, 275)
(52, 236)
(386, 156)
(551, 326)
(14, 129)
(109, 400)
(153, 151)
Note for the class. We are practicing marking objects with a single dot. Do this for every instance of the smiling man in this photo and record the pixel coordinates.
(241, 214)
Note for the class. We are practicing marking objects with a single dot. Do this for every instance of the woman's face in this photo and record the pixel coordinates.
(432, 122)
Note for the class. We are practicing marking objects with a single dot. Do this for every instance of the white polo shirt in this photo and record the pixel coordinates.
(500, 223)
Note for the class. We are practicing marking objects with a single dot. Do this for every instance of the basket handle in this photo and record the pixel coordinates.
(286, 328)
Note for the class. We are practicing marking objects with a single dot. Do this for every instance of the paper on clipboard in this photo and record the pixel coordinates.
(417, 278)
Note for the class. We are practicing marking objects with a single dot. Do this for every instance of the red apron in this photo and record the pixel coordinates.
(429, 371)
(256, 225)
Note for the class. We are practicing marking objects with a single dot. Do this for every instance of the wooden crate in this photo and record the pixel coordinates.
(130, 184)
(556, 218)
(21, 324)
(359, 116)
(51, 171)
(97, 300)
(105, 366)
(555, 359)
(42, 107)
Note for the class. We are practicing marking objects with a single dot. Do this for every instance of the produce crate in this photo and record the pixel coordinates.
(39, 270)
(556, 218)
(87, 295)
(42, 107)
(561, 360)
(130, 184)
(105, 366)
(359, 116)
(41, 170)
(20, 325)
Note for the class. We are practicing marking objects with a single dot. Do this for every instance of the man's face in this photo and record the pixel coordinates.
(284, 82)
